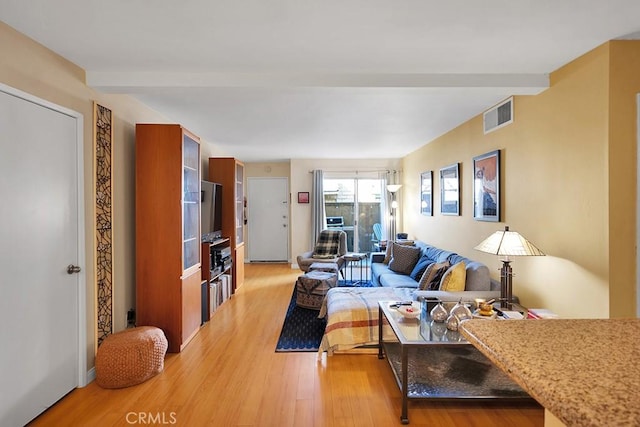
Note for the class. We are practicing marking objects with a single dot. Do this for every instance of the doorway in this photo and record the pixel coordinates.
(358, 203)
(268, 219)
(42, 307)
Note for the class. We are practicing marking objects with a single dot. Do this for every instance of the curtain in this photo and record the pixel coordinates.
(318, 215)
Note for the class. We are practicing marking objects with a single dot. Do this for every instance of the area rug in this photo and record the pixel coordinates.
(302, 330)
(357, 283)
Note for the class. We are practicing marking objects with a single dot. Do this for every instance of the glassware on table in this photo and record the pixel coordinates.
(438, 329)
(439, 313)
(453, 322)
(461, 311)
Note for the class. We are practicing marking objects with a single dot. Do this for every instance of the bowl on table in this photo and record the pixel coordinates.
(410, 311)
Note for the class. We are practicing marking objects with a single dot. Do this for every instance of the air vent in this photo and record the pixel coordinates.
(498, 116)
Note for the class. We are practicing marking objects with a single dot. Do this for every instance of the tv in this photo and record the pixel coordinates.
(211, 201)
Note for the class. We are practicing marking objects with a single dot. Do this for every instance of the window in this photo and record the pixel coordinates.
(359, 202)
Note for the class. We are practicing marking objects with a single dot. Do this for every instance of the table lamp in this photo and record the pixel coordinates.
(507, 243)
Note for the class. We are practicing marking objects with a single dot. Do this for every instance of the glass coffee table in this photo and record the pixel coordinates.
(431, 362)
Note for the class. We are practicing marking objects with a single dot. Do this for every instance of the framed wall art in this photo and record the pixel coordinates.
(450, 190)
(303, 197)
(486, 187)
(426, 193)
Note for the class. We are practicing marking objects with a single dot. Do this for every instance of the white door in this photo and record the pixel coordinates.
(268, 219)
(39, 235)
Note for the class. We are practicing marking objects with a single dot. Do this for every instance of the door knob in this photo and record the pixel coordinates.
(73, 269)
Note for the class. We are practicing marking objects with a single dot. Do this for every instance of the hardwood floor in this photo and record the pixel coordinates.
(230, 375)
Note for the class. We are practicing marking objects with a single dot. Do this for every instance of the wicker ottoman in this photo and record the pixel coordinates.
(130, 357)
(329, 267)
(312, 287)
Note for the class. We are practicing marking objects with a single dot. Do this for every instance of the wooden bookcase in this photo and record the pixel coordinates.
(168, 279)
(211, 272)
(230, 173)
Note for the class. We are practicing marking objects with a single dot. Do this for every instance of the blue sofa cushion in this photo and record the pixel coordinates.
(431, 252)
(420, 267)
(395, 280)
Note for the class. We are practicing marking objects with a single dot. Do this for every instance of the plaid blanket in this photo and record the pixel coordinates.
(352, 316)
(328, 244)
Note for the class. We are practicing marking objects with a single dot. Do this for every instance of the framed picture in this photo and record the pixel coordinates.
(303, 197)
(426, 193)
(486, 187)
(450, 190)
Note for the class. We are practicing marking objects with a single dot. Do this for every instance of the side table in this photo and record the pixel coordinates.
(352, 257)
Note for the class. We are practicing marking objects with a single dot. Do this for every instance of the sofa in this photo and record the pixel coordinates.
(352, 312)
(477, 280)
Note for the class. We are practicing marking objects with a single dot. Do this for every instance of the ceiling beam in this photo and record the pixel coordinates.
(127, 82)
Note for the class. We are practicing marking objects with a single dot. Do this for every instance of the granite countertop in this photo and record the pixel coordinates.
(586, 372)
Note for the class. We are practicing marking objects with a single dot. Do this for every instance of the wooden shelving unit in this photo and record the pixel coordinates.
(168, 278)
(230, 173)
(210, 272)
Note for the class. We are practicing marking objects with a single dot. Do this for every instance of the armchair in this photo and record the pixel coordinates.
(376, 237)
(330, 247)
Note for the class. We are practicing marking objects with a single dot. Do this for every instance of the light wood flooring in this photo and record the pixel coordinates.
(230, 375)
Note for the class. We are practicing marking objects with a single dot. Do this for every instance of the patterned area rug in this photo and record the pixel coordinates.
(302, 330)
(356, 283)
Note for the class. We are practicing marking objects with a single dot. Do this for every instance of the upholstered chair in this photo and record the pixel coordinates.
(330, 247)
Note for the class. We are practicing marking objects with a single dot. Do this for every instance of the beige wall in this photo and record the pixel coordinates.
(568, 165)
(624, 85)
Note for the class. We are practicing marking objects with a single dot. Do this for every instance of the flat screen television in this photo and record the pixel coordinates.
(211, 200)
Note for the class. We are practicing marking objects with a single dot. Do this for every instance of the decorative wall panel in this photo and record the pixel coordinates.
(103, 156)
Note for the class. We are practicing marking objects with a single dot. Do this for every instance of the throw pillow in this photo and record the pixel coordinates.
(327, 245)
(404, 258)
(420, 267)
(389, 254)
(454, 279)
(430, 280)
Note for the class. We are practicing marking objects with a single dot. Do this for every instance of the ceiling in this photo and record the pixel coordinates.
(269, 80)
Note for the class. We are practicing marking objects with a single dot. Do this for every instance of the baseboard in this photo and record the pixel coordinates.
(91, 375)
(358, 350)
(294, 266)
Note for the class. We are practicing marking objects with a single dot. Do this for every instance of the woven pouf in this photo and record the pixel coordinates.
(312, 287)
(329, 267)
(130, 357)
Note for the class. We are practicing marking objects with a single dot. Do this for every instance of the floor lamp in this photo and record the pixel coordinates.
(393, 189)
(505, 244)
